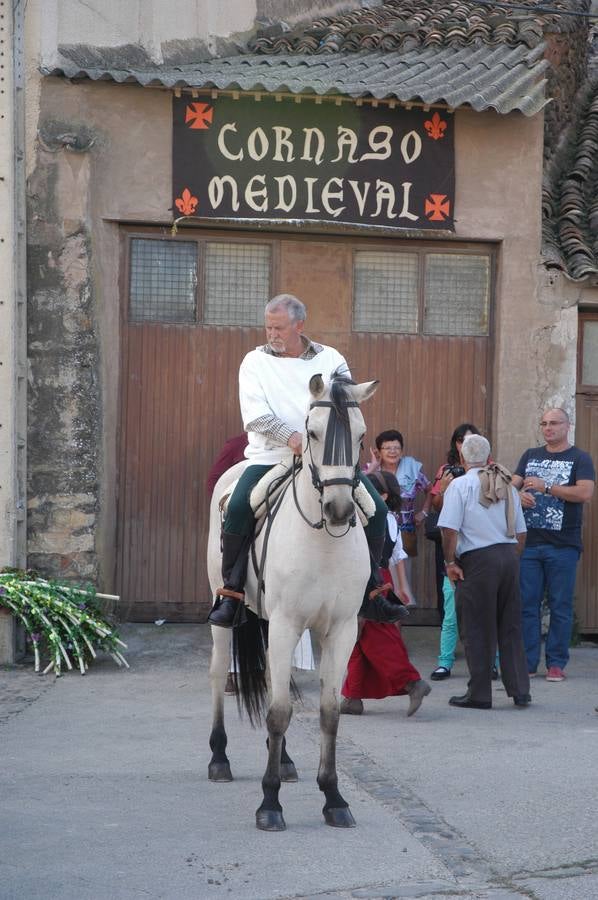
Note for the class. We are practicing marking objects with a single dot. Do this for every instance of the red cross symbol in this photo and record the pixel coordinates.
(437, 207)
(199, 115)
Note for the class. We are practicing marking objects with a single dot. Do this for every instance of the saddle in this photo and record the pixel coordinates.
(265, 500)
(275, 482)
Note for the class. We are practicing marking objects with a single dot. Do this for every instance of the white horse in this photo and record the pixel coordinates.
(316, 569)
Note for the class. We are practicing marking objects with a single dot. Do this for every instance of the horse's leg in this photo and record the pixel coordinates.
(281, 642)
(288, 772)
(219, 767)
(336, 647)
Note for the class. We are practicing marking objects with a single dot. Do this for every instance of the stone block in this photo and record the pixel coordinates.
(11, 640)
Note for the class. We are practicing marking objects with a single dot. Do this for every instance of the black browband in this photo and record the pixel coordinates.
(329, 403)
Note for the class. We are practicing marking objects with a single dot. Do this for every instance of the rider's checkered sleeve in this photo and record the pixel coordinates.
(272, 427)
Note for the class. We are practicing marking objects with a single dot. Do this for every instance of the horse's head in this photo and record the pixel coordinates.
(334, 431)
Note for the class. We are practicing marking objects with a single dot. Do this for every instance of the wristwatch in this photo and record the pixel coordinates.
(547, 488)
(451, 563)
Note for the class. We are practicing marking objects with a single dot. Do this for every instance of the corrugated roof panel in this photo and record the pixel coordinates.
(457, 76)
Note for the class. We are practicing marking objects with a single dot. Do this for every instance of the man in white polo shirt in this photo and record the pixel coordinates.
(274, 397)
(483, 534)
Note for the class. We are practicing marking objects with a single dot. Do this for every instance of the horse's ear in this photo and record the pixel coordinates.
(364, 391)
(316, 386)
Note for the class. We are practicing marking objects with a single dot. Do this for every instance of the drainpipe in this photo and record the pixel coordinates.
(13, 347)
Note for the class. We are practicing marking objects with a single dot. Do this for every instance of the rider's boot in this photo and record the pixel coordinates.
(380, 603)
(228, 608)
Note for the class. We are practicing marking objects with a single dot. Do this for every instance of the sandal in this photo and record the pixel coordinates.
(440, 673)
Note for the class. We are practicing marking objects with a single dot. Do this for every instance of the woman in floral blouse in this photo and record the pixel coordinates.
(408, 471)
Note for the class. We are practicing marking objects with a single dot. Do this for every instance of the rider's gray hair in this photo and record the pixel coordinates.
(475, 450)
(293, 307)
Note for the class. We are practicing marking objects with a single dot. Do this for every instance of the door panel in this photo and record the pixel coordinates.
(586, 437)
(320, 275)
(179, 405)
(419, 397)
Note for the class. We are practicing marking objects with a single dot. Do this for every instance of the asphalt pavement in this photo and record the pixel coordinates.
(104, 790)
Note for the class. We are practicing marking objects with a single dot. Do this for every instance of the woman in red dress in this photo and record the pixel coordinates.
(379, 665)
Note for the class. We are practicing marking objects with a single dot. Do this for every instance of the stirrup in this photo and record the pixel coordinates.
(228, 610)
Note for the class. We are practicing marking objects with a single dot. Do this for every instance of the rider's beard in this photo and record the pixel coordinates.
(278, 346)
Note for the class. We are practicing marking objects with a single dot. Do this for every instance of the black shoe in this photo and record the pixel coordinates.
(380, 606)
(465, 702)
(223, 612)
(494, 673)
(351, 706)
(522, 699)
(228, 612)
(440, 673)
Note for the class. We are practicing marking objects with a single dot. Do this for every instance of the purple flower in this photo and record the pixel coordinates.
(2, 590)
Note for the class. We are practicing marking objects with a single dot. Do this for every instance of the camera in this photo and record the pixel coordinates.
(456, 471)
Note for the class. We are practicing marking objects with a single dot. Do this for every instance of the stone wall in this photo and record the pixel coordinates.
(64, 409)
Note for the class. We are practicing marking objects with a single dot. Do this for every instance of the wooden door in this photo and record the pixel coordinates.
(179, 401)
(586, 437)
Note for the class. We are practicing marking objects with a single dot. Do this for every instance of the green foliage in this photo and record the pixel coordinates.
(64, 624)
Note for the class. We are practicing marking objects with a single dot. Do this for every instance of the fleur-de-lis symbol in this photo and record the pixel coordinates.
(186, 203)
(435, 127)
(437, 207)
(199, 115)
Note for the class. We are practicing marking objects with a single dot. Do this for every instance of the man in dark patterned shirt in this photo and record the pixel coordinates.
(555, 481)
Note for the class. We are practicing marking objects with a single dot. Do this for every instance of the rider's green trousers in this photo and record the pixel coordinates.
(240, 519)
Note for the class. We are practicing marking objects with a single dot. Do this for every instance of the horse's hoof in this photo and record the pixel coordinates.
(270, 820)
(288, 772)
(339, 818)
(220, 772)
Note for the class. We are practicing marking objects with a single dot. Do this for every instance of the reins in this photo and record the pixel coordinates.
(270, 516)
(317, 526)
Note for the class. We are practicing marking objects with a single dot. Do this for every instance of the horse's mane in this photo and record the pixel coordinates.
(337, 443)
(339, 394)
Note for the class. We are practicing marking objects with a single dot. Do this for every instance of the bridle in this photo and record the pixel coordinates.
(319, 483)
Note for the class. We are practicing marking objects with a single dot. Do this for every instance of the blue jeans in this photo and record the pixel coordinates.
(550, 569)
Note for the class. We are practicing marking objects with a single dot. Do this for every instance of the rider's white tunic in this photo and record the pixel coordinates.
(279, 385)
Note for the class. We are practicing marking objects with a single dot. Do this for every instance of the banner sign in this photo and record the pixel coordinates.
(268, 160)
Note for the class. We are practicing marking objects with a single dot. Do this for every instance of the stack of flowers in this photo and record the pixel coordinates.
(61, 621)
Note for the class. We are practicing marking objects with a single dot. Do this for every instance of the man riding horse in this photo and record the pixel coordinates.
(274, 396)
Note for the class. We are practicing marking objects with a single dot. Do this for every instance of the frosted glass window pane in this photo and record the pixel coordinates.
(163, 281)
(237, 283)
(385, 294)
(456, 294)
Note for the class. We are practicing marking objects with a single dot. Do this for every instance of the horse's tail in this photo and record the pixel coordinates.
(249, 647)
